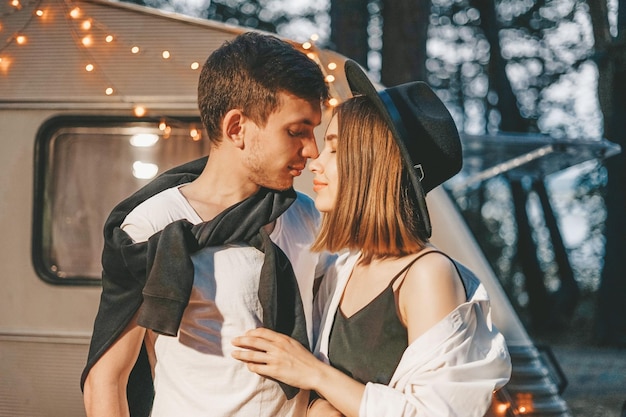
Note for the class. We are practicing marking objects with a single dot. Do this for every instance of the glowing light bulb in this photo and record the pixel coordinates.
(39, 12)
(144, 170)
(20, 39)
(108, 39)
(87, 41)
(333, 102)
(162, 126)
(332, 66)
(89, 67)
(330, 78)
(5, 64)
(86, 25)
(144, 140)
(108, 91)
(315, 37)
(134, 49)
(311, 56)
(139, 111)
(75, 13)
(195, 65)
(195, 134)
(306, 45)
(16, 4)
(166, 54)
(501, 408)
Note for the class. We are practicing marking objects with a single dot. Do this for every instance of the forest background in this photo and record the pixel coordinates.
(551, 67)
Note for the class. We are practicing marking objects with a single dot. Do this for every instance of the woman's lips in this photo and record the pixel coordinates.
(318, 185)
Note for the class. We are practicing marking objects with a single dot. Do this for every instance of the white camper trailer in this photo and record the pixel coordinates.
(96, 98)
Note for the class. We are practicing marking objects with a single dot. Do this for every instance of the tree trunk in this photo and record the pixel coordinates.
(511, 118)
(348, 29)
(538, 302)
(405, 29)
(565, 299)
(611, 304)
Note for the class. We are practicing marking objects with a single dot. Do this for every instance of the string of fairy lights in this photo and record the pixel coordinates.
(90, 35)
(86, 31)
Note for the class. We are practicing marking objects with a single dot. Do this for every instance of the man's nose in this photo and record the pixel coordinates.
(309, 149)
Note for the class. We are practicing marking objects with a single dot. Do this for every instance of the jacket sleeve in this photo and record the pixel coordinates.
(451, 370)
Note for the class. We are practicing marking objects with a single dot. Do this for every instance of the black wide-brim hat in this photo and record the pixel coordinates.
(423, 129)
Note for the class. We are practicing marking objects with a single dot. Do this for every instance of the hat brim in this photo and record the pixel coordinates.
(360, 84)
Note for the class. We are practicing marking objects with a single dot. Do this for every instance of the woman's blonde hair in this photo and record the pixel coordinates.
(375, 209)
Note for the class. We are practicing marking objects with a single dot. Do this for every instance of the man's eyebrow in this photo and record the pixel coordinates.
(307, 122)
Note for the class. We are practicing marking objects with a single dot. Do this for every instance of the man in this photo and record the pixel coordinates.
(213, 248)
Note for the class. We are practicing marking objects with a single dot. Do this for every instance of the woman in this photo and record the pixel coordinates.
(405, 330)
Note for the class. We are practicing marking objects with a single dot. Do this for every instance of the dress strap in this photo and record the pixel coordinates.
(407, 266)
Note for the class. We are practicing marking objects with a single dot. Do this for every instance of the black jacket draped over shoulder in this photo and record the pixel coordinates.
(155, 278)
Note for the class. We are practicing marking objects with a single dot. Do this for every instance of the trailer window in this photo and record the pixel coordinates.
(85, 166)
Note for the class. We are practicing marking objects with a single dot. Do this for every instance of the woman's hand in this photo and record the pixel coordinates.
(280, 357)
(277, 356)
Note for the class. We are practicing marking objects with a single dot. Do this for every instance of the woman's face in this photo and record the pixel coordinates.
(326, 181)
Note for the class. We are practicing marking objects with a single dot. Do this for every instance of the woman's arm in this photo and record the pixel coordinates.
(322, 408)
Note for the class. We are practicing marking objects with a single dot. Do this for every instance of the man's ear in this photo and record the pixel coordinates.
(233, 127)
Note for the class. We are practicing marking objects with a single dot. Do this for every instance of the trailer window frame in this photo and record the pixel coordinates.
(64, 134)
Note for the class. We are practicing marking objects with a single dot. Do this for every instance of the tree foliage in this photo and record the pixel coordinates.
(545, 48)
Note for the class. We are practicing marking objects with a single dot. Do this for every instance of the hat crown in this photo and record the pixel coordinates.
(429, 134)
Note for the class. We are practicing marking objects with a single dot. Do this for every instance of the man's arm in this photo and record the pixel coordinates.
(105, 385)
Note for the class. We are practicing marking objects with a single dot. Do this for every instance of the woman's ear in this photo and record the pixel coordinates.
(233, 127)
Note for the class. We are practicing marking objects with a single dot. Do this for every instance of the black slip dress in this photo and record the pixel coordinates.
(368, 345)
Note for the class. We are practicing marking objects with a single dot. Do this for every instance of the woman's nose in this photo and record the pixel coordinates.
(315, 165)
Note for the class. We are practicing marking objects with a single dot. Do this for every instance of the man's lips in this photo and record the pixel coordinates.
(296, 170)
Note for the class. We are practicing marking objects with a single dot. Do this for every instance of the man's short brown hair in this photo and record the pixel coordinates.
(248, 73)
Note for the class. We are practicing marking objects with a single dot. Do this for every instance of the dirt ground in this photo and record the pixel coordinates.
(596, 379)
(596, 375)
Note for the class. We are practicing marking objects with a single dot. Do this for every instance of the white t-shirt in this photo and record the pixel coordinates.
(195, 374)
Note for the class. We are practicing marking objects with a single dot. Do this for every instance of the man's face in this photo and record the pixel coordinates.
(277, 153)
